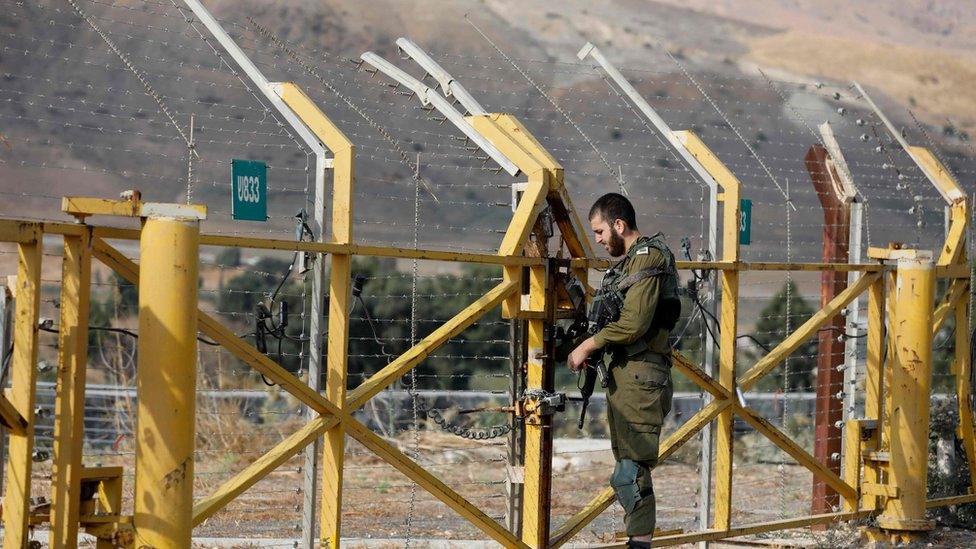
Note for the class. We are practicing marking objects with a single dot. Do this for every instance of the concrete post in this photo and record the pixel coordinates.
(830, 347)
(166, 382)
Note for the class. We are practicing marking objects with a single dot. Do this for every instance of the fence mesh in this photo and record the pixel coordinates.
(100, 96)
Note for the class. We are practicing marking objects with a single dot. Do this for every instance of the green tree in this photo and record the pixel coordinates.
(229, 257)
(772, 328)
(126, 298)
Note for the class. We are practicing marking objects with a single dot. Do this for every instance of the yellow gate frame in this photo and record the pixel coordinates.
(335, 408)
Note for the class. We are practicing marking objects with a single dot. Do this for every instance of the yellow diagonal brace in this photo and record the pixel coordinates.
(785, 443)
(941, 178)
(697, 375)
(804, 332)
(250, 475)
(751, 529)
(11, 418)
(416, 354)
(128, 270)
(703, 380)
(490, 126)
(948, 303)
(574, 233)
(533, 199)
(603, 500)
(532, 203)
(432, 484)
(954, 249)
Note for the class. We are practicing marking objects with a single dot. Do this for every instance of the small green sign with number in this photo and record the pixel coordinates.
(249, 188)
(745, 222)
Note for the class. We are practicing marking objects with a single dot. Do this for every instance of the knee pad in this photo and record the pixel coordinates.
(624, 484)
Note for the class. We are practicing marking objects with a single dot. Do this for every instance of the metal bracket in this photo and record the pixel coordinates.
(429, 97)
(539, 403)
(652, 116)
(951, 195)
(130, 205)
(449, 86)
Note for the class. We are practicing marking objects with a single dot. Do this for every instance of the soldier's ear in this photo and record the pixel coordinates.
(620, 226)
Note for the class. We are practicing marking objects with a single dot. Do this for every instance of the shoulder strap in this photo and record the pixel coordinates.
(634, 278)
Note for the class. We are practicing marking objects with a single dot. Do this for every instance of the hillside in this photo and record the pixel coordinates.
(75, 121)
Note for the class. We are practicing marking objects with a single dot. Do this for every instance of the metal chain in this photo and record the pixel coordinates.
(786, 362)
(470, 433)
(414, 399)
(190, 148)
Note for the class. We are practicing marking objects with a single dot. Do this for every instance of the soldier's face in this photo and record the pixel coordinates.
(607, 236)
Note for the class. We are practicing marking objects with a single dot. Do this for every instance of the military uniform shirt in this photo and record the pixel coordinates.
(640, 302)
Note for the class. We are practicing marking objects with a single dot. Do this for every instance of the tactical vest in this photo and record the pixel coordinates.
(616, 283)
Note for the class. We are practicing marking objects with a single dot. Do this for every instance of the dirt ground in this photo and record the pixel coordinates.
(384, 509)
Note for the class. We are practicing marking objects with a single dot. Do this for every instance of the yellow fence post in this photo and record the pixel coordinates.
(728, 319)
(343, 154)
(69, 405)
(166, 381)
(874, 382)
(16, 504)
(911, 380)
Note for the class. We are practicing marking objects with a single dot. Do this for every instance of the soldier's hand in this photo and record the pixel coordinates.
(577, 359)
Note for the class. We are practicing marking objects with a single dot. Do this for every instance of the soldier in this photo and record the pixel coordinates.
(645, 285)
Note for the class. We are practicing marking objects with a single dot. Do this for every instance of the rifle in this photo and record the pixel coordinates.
(585, 325)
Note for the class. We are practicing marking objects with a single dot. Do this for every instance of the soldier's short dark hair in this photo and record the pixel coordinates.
(614, 206)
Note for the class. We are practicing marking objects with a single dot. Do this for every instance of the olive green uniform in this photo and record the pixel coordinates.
(640, 389)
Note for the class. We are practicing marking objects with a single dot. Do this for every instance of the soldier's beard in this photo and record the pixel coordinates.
(616, 244)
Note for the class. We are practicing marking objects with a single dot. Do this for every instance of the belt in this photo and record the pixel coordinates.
(641, 346)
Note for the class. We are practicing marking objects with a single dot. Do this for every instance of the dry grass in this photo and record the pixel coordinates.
(934, 83)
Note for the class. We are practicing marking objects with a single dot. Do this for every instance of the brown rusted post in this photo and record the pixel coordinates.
(830, 351)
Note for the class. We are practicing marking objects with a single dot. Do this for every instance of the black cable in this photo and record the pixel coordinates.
(121, 331)
(756, 341)
(284, 278)
(372, 327)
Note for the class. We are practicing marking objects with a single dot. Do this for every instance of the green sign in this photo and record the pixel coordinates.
(745, 222)
(249, 190)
